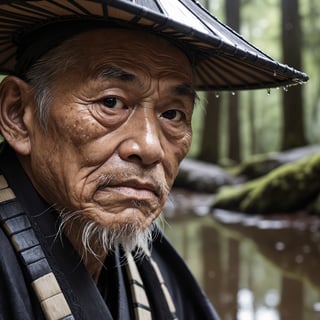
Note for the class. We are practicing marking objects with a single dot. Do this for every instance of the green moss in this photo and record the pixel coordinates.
(288, 188)
(258, 166)
(229, 197)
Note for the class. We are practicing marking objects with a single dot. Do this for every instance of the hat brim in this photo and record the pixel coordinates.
(223, 60)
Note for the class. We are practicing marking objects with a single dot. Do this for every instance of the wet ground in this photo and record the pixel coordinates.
(251, 267)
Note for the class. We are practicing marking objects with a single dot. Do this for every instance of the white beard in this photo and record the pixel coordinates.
(98, 240)
(130, 237)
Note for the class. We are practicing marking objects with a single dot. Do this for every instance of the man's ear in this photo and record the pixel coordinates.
(15, 110)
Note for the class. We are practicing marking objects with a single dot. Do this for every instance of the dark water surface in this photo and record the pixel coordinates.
(251, 267)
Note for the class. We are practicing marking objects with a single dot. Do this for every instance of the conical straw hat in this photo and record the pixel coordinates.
(222, 59)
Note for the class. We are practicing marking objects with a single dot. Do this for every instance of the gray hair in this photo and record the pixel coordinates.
(45, 72)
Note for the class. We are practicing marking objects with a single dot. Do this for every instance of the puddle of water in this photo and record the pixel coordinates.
(251, 267)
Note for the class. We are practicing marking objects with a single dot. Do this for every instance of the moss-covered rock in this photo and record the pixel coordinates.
(288, 188)
(256, 167)
(262, 164)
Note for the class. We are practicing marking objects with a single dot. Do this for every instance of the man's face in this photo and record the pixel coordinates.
(118, 127)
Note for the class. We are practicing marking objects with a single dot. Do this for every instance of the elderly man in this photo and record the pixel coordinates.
(96, 116)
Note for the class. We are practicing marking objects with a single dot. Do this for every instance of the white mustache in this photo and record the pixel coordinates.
(134, 179)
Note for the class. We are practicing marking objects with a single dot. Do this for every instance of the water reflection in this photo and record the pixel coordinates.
(251, 267)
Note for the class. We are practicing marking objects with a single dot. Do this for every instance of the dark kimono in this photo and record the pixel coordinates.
(111, 298)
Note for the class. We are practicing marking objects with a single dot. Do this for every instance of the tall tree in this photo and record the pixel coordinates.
(233, 20)
(209, 149)
(210, 139)
(252, 128)
(293, 118)
(312, 43)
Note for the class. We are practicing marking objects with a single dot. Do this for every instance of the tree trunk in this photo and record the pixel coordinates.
(252, 124)
(293, 117)
(233, 20)
(314, 44)
(209, 150)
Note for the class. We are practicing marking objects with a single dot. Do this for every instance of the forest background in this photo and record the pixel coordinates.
(230, 127)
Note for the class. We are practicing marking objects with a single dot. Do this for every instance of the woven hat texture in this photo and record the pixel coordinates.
(223, 60)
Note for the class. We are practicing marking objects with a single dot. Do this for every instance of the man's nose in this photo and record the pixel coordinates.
(143, 140)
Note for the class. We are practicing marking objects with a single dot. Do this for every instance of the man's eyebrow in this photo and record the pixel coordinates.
(117, 73)
(185, 90)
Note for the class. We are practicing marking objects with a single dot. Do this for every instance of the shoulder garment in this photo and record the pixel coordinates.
(111, 298)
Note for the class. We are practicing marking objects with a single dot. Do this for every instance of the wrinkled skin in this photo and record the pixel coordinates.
(119, 125)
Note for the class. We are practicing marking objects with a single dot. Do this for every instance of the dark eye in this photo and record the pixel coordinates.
(175, 115)
(112, 102)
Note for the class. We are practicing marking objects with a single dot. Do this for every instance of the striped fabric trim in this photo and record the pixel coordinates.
(142, 308)
(164, 288)
(140, 300)
(19, 230)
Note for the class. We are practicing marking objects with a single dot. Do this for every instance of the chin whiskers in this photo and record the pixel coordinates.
(90, 238)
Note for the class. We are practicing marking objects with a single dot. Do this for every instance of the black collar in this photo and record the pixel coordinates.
(80, 291)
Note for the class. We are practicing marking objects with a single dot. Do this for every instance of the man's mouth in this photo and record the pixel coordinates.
(134, 189)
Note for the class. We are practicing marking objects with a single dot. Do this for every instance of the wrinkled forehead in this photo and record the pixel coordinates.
(136, 51)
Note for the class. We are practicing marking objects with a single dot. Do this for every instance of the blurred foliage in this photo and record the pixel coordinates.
(260, 24)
